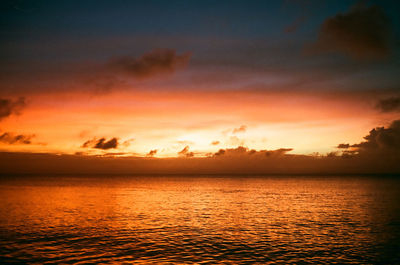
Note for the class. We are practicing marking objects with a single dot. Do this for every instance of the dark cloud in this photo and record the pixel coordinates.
(8, 106)
(160, 61)
(11, 138)
(185, 152)
(278, 152)
(381, 140)
(240, 150)
(244, 151)
(101, 143)
(389, 104)
(343, 146)
(362, 33)
(242, 128)
(152, 153)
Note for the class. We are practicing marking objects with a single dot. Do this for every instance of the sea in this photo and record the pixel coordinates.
(199, 220)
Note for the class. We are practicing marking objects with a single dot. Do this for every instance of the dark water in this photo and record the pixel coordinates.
(274, 220)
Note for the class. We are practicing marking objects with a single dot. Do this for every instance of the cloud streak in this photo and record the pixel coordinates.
(156, 62)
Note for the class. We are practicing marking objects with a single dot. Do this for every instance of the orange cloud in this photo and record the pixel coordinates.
(152, 153)
(240, 129)
(215, 143)
(185, 152)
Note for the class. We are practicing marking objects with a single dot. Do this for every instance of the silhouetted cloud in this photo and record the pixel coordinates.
(389, 104)
(278, 152)
(381, 140)
(101, 143)
(215, 143)
(364, 33)
(160, 61)
(11, 138)
(241, 151)
(185, 152)
(240, 129)
(343, 146)
(8, 106)
(152, 153)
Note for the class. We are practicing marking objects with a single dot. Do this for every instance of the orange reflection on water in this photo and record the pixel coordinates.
(191, 219)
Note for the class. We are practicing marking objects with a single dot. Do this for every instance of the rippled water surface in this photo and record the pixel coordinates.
(272, 220)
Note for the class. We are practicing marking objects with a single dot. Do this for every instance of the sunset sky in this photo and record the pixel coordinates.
(189, 78)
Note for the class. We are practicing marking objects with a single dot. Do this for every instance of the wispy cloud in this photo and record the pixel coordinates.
(156, 62)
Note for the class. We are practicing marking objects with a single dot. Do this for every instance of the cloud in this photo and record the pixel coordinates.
(184, 142)
(381, 140)
(185, 152)
(240, 129)
(389, 105)
(235, 141)
(215, 143)
(101, 143)
(278, 152)
(9, 107)
(293, 27)
(156, 62)
(152, 153)
(362, 33)
(244, 151)
(128, 142)
(11, 138)
(240, 150)
(343, 146)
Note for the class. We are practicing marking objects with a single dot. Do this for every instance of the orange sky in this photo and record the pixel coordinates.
(169, 121)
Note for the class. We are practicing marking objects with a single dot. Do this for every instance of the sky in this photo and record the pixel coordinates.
(196, 79)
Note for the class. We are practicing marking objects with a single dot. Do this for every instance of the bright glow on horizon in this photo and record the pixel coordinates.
(168, 122)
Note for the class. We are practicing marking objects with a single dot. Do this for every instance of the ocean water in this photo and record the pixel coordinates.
(201, 220)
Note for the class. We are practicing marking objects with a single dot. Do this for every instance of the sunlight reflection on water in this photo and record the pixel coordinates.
(295, 220)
